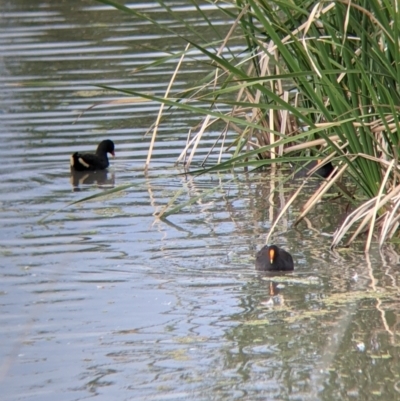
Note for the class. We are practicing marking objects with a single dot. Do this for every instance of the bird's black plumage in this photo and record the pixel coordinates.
(324, 171)
(272, 258)
(93, 161)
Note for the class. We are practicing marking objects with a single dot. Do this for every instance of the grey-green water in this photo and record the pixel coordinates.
(103, 301)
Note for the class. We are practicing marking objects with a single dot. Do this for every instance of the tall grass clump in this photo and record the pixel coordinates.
(317, 79)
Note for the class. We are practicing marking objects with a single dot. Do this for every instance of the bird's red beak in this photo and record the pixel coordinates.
(113, 153)
(271, 255)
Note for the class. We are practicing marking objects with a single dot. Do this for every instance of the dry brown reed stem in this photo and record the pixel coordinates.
(391, 222)
(236, 108)
(285, 120)
(320, 192)
(271, 202)
(229, 34)
(302, 26)
(370, 16)
(349, 221)
(224, 135)
(375, 210)
(282, 212)
(153, 137)
(283, 114)
(198, 137)
(367, 216)
(195, 138)
(362, 211)
(378, 160)
(206, 122)
(315, 11)
(375, 126)
(264, 70)
(309, 144)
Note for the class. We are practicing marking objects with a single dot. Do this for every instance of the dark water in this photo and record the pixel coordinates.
(103, 300)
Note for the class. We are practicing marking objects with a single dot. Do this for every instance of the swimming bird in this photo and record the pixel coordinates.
(93, 161)
(273, 258)
(324, 171)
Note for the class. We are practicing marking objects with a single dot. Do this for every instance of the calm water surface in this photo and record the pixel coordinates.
(103, 301)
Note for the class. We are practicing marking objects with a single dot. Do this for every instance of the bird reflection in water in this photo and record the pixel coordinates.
(99, 178)
(275, 299)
